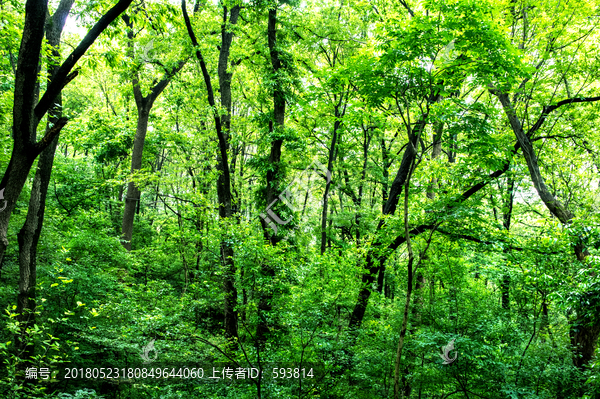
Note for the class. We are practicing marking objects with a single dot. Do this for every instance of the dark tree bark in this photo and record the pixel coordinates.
(29, 234)
(278, 124)
(26, 113)
(222, 126)
(274, 173)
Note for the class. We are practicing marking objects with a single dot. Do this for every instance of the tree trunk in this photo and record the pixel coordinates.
(585, 329)
(274, 176)
(505, 289)
(435, 153)
(28, 238)
(403, 329)
(386, 174)
(554, 205)
(506, 221)
(334, 138)
(26, 113)
(222, 126)
(133, 193)
(29, 234)
(224, 181)
(144, 106)
(409, 288)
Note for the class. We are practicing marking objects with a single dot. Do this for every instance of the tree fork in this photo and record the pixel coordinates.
(26, 113)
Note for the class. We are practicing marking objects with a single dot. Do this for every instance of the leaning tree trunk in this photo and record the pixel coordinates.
(585, 329)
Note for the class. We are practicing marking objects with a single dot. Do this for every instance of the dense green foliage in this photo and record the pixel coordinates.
(465, 242)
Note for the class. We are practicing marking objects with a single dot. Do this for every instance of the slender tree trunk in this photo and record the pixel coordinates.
(222, 127)
(358, 201)
(274, 175)
(505, 289)
(224, 181)
(452, 148)
(386, 174)
(506, 221)
(435, 153)
(409, 288)
(334, 138)
(144, 106)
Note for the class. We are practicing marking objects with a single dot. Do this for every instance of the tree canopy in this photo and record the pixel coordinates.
(332, 199)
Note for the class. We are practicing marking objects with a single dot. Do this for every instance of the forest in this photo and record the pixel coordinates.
(300, 199)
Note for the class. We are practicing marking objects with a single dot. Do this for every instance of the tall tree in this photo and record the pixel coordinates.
(222, 122)
(27, 114)
(144, 106)
(28, 111)
(29, 235)
(275, 173)
(585, 329)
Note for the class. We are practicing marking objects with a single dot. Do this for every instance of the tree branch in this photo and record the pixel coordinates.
(50, 135)
(548, 109)
(61, 77)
